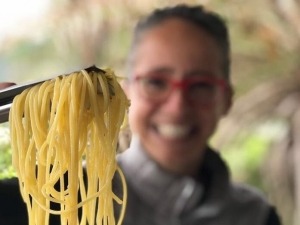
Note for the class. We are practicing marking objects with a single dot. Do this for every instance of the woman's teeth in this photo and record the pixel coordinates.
(174, 131)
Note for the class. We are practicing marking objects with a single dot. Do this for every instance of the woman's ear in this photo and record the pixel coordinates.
(228, 99)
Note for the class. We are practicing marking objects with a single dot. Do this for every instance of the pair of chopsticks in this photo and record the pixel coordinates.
(7, 95)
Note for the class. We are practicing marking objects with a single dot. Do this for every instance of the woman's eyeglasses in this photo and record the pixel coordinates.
(200, 90)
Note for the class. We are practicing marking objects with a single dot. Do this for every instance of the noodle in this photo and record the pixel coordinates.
(60, 130)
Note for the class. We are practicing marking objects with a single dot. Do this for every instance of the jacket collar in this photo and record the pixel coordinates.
(169, 193)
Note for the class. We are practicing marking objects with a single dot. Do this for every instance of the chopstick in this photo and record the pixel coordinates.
(7, 95)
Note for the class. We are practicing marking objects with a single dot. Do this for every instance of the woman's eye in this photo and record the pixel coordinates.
(156, 83)
(201, 87)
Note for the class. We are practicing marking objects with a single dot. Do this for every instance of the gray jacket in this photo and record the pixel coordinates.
(156, 197)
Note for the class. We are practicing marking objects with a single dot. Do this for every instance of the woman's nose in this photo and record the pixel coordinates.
(176, 101)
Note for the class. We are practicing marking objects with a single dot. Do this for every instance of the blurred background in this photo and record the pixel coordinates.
(260, 136)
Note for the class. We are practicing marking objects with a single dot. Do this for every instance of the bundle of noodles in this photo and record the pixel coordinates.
(64, 128)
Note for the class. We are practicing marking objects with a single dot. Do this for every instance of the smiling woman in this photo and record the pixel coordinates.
(179, 87)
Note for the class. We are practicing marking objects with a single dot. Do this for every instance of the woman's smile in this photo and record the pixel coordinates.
(173, 131)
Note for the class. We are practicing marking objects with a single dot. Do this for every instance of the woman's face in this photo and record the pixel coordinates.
(174, 130)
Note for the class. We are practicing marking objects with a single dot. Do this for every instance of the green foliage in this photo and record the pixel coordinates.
(245, 158)
(246, 154)
(6, 168)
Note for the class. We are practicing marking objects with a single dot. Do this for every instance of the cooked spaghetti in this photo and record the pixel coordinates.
(60, 130)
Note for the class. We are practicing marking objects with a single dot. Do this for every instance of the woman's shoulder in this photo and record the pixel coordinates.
(249, 199)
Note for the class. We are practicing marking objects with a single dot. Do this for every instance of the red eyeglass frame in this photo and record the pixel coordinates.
(185, 83)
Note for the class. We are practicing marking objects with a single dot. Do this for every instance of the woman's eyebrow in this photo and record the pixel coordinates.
(161, 70)
(168, 71)
(199, 73)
